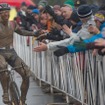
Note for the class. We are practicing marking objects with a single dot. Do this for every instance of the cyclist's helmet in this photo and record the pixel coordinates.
(4, 6)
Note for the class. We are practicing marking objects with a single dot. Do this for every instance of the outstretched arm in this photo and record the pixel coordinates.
(22, 32)
(81, 46)
(40, 47)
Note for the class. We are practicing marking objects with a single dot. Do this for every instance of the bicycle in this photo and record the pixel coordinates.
(14, 94)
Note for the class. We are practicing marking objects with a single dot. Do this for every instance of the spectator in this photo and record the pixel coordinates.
(42, 4)
(102, 7)
(22, 15)
(81, 46)
(66, 12)
(78, 3)
(69, 3)
(35, 14)
(57, 10)
(49, 22)
(30, 8)
(85, 14)
(75, 22)
(94, 8)
(43, 20)
(29, 18)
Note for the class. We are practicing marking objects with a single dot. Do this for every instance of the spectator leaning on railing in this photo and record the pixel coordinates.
(85, 14)
(58, 34)
(36, 17)
(89, 43)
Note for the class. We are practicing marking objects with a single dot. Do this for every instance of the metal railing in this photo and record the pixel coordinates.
(79, 75)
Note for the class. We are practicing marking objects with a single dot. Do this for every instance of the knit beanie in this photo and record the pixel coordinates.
(69, 3)
(43, 3)
(100, 16)
(84, 11)
(36, 11)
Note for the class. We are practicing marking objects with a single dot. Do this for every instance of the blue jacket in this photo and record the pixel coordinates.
(73, 49)
(78, 27)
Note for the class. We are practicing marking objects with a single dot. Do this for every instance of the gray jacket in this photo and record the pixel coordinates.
(83, 33)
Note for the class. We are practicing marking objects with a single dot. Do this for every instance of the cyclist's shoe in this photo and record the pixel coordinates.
(6, 98)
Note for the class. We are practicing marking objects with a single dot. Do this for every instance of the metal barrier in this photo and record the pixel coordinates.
(79, 75)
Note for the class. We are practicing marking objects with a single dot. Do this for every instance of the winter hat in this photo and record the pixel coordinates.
(31, 7)
(84, 11)
(100, 16)
(43, 3)
(69, 3)
(23, 4)
(36, 11)
(77, 3)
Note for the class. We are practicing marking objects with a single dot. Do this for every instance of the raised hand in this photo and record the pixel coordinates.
(67, 30)
(41, 47)
(100, 42)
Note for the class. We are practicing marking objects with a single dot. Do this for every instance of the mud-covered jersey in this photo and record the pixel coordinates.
(7, 32)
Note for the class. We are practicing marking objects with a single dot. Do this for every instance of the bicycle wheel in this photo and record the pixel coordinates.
(14, 94)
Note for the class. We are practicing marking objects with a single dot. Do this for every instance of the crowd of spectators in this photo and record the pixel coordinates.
(72, 27)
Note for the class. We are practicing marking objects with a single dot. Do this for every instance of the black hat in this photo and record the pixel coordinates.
(94, 8)
(31, 7)
(4, 6)
(84, 11)
(23, 4)
(77, 3)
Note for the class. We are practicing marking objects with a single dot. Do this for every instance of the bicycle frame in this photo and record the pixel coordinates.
(14, 94)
